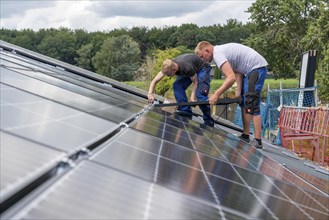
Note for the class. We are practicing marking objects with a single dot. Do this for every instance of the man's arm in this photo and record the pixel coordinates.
(194, 87)
(156, 79)
(228, 82)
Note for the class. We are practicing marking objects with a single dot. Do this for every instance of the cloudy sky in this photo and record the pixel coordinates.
(105, 15)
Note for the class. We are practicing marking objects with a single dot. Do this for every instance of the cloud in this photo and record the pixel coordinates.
(103, 15)
(54, 15)
(148, 9)
(11, 8)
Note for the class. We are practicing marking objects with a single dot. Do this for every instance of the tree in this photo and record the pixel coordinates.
(82, 37)
(85, 55)
(160, 37)
(26, 39)
(139, 34)
(144, 72)
(234, 31)
(189, 35)
(279, 27)
(118, 58)
(322, 76)
(59, 44)
(317, 37)
(185, 35)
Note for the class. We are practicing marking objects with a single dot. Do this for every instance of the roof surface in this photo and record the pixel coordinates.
(77, 145)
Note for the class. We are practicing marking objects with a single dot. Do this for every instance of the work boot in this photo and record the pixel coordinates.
(247, 140)
(256, 144)
(209, 123)
(183, 114)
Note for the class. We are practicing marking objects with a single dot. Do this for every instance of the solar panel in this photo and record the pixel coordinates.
(64, 96)
(48, 122)
(67, 80)
(320, 183)
(226, 147)
(97, 192)
(22, 162)
(140, 163)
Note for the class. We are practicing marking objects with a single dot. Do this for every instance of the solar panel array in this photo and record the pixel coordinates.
(79, 147)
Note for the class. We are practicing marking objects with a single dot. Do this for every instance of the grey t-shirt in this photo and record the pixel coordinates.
(243, 59)
(189, 64)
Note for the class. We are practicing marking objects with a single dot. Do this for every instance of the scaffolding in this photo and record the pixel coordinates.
(276, 99)
(302, 124)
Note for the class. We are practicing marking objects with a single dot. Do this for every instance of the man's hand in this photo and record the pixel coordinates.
(150, 98)
(213, 99)
(192, 99)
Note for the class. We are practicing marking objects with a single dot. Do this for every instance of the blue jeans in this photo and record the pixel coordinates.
(182, 83)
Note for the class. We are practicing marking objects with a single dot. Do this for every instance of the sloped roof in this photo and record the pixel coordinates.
(77, 145)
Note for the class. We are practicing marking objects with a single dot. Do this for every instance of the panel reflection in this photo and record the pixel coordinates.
(183, 179)
(128, 159)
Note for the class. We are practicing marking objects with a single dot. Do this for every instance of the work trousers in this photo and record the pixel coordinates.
(182, 83)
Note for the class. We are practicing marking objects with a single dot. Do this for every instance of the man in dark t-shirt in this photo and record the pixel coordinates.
(189, 68)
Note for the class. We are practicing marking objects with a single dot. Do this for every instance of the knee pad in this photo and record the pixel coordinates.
(252, 102)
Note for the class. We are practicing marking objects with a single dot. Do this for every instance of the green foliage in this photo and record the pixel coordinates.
(317, 37)
(144, 85)
(161, 55)
(139, 34)
(73, 46)
(280, 26)
(234, 31)
(124, 71)
(85, 55)
(59, 45)
(118, 58)
(322, 76)
(26, 39)
(189, 35)
(217, 74)
(144, 72)
(160, 37)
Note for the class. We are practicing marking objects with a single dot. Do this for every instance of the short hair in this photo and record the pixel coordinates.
(167, 66)
(200, 46)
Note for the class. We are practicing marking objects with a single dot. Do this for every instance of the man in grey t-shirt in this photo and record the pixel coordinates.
(188, 69)
(246, 67)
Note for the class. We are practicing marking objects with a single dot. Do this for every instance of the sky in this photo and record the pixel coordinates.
(106, 15)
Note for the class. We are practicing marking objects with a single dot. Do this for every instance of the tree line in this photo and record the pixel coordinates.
(280, 30)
